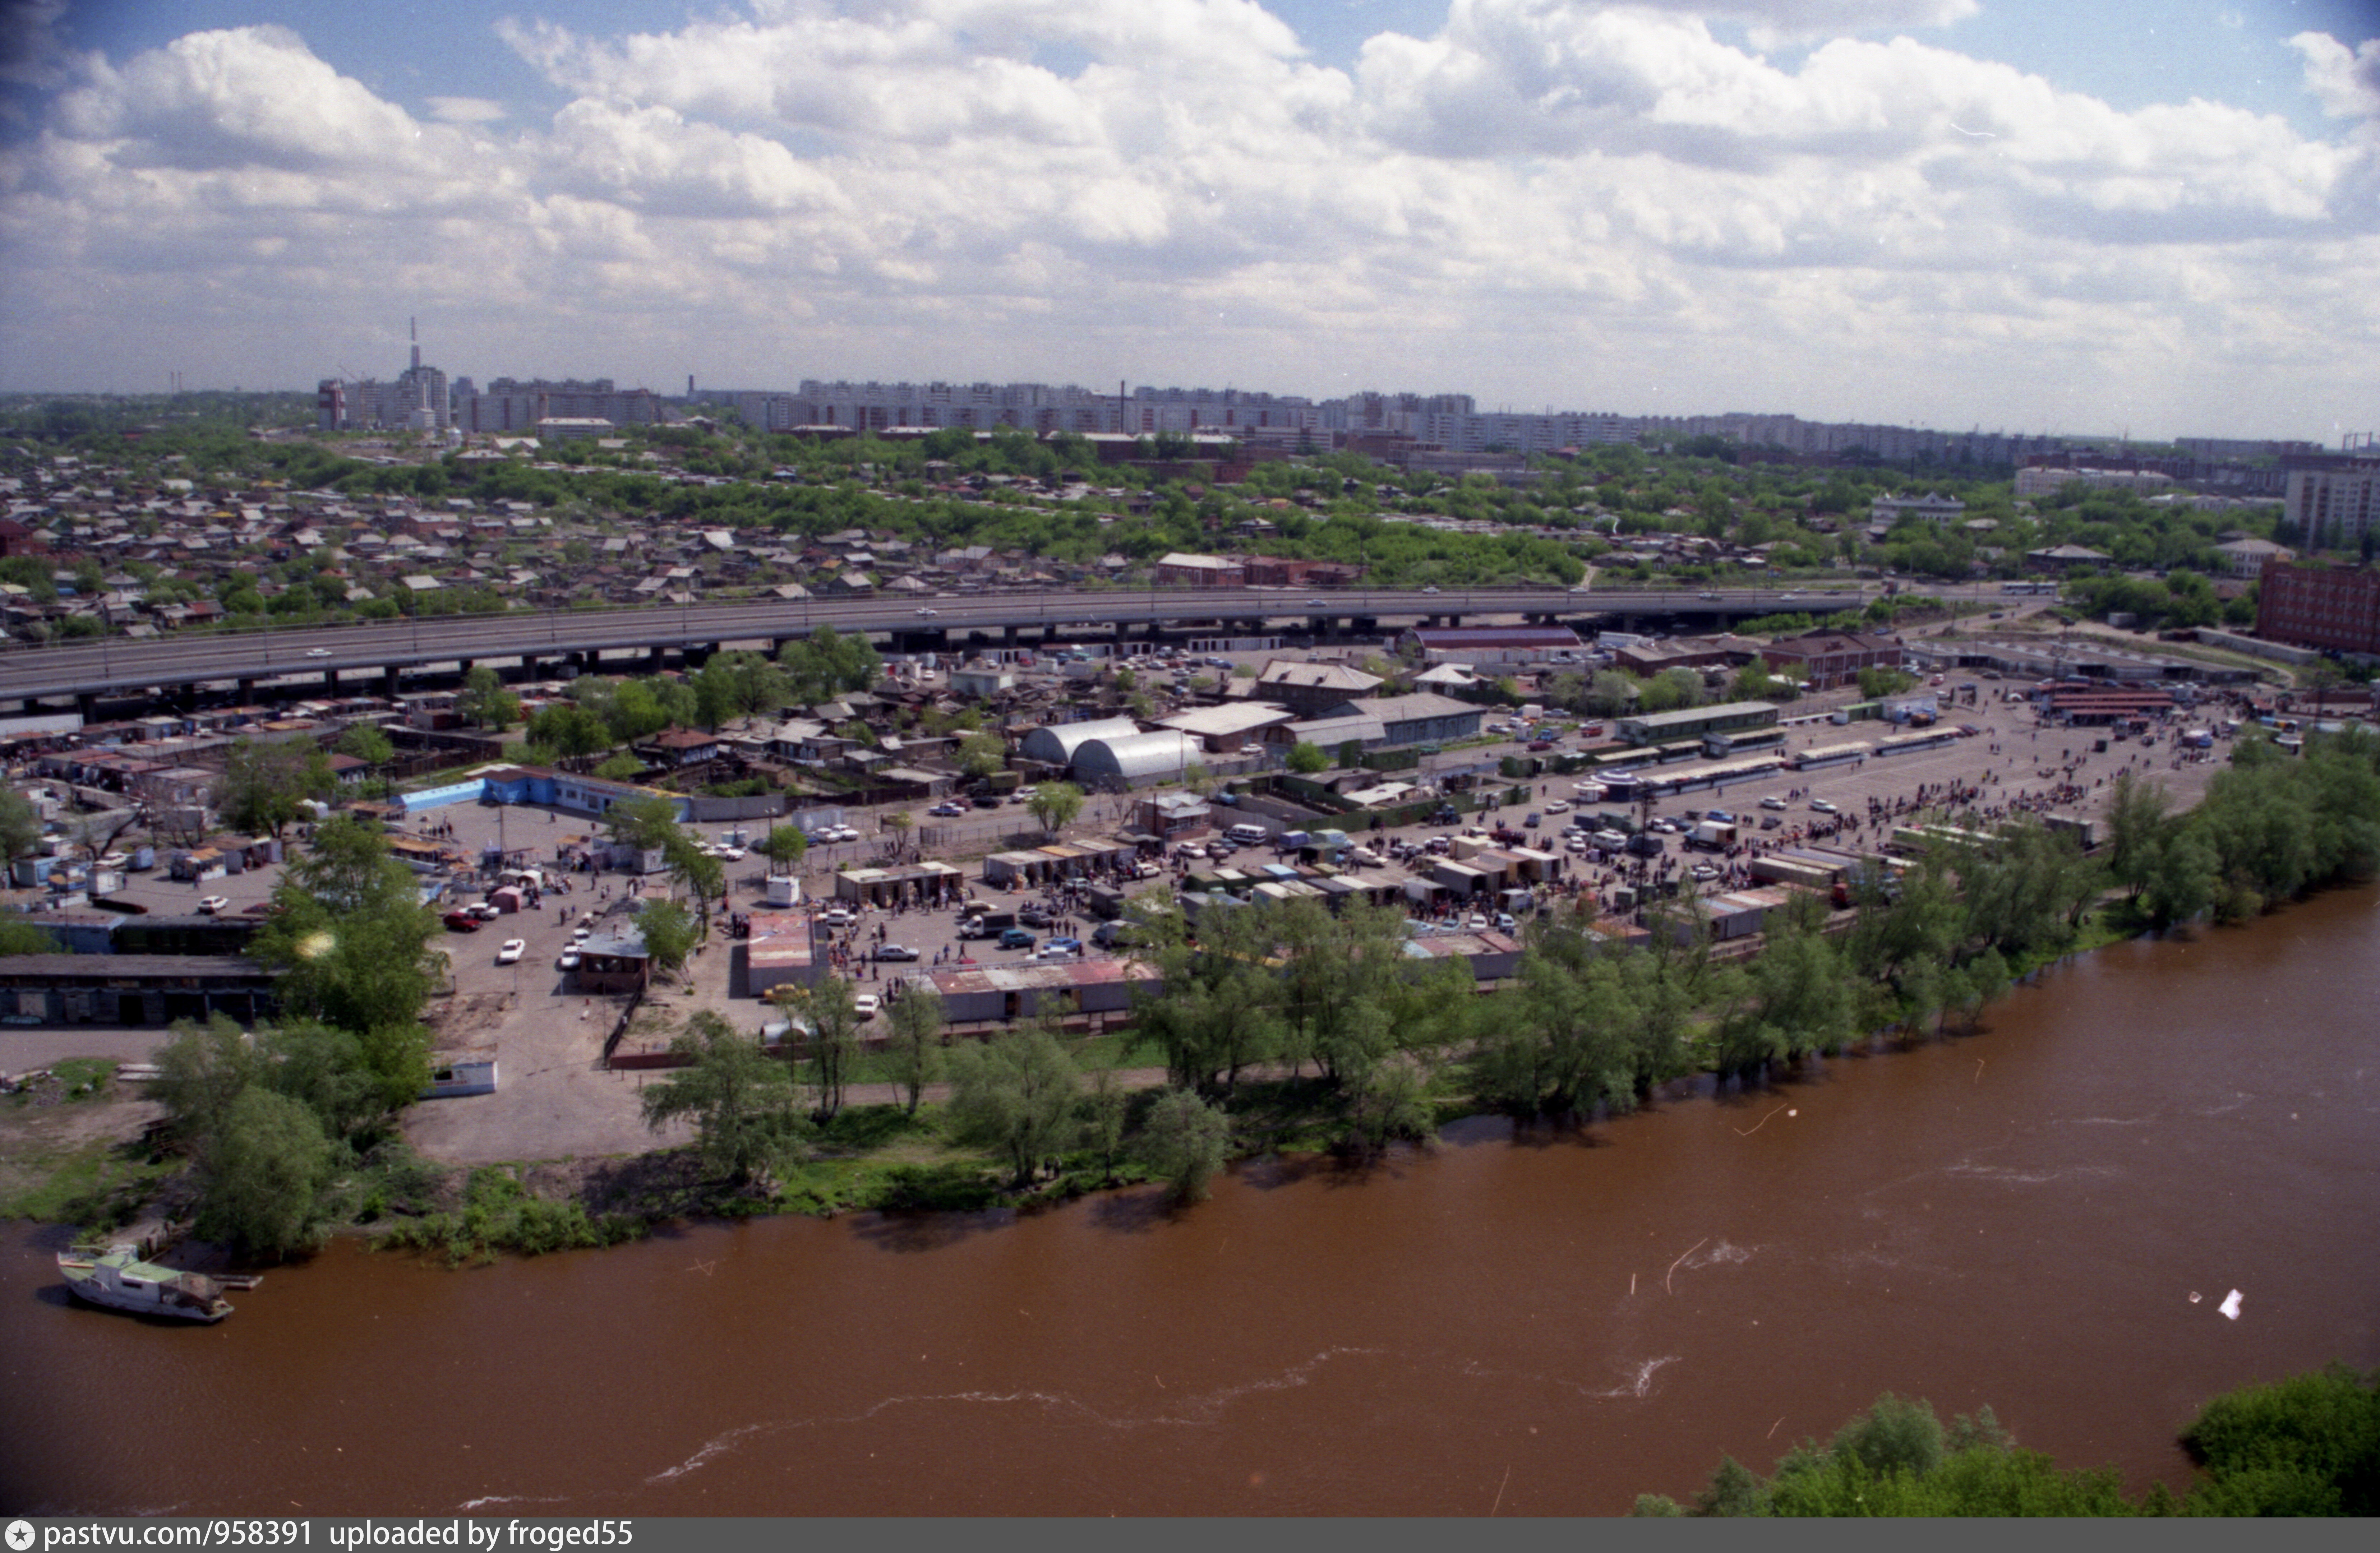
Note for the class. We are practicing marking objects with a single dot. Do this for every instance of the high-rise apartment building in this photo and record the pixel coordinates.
(2336, 609)
(2332, 498)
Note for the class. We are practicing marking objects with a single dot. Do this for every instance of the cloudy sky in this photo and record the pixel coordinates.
(2064, 215)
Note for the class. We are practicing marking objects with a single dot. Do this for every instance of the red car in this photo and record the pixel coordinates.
(1537, 746)
(462, 922)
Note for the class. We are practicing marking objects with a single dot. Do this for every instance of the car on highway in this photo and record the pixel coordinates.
(568, 960)
(318, 652)
(1431, 588)
(511, 952)
(865, 1005)
(1821, 806)
(461, 922)
(895, 951)
(1710, 595)
(214, 904)
(928, 614)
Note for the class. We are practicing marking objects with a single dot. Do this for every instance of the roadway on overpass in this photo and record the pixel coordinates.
(113, 665)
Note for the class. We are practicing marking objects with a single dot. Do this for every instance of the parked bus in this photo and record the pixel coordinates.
(1909, 744)
(1721, 746)
(1824, 756)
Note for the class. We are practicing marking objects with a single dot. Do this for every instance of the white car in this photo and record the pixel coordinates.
(318, 652)
(1820, 806)
(512, 951)
(569, 959)
(580, 935)
(1559, 805)
(214, 904)
(928, 614)
(1431, 588)
(1772, 802)
(865, 1005)
(733, 853)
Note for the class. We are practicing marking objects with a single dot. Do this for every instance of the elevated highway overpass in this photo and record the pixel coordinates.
(114, 666)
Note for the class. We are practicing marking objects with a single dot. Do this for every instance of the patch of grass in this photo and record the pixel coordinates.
(85, 1079)
(865, 1129)
(100, 1185)
(499, 1214)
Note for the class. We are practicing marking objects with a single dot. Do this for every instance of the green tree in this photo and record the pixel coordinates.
(1016, 1097)
(827, 663)
(261, 1175)
(1184, 1144)
(265, 786)
(21, 825)
(1307, 758)
(572, 732)
(19, 937)
(366, 743)
(2309, 1445)
(980, 755)
(784, 845)
(1055, 804)
(647, 821)
(351, 938)
(912, 1051)
(741, 1099)
(621, 768)
(670, 933)
(832, 1015)
(485, 701)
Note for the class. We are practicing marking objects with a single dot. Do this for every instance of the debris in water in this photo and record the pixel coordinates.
(2193, 1296)
(2230, 1305)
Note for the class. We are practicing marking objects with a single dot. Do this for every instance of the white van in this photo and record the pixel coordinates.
(1249, 835)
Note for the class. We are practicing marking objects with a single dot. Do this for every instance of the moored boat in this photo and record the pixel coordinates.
(120, 1280)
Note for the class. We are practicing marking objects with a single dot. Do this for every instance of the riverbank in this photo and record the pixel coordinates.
(2018, 1218)
(82, 1153)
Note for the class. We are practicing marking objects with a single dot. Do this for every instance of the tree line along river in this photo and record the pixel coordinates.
(1532, 1319)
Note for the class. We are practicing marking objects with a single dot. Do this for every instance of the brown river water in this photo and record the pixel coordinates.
(1518, 1321)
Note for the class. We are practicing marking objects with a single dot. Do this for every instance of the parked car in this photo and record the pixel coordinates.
(567, 960)
(947, 808)
(834, 917)
(214, 904)
(1821, 806)
(1537, 746)
(1034, 916)
(1772, 802)
(1060, 949)
(461, 922)
(895, 951)
(1559, 806)
(1017, 937)
(985, 800)
(865, 1005)
(511, 952)
(1106, 935)
(486, 910)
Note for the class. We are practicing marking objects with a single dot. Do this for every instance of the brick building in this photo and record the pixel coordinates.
(2337, 610)
(1827, 658)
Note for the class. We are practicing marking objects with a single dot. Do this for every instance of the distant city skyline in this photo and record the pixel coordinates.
(2079, 219)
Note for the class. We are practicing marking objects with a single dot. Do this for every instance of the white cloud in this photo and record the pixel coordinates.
(2346, 82)
(466, 110)
(1570, 193)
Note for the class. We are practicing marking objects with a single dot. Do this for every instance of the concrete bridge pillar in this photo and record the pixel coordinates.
(88, 704)
(247, 690)
(653, 661)
(1008, 637)
(388, 680)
